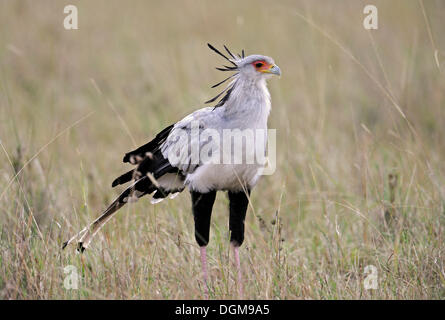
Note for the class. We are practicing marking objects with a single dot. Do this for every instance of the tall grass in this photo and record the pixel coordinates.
(361, 148)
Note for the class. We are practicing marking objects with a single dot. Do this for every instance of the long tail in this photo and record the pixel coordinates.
(153, 174)
(135, 191)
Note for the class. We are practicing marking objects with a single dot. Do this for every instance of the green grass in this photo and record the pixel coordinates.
(73, 102)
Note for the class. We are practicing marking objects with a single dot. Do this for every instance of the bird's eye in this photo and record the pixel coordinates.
(258, 65)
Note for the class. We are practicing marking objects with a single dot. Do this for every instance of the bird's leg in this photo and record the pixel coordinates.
(202, 211)
(204, 270)
(238, 208)
(238, 269)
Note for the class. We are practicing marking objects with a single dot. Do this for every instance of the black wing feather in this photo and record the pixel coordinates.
(151, 146)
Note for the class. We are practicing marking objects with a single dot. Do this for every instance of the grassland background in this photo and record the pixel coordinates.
(134, 67)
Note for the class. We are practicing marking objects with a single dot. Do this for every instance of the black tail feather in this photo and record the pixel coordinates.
(143, 186)
(151, 165)
(155, 165)
(126, 177)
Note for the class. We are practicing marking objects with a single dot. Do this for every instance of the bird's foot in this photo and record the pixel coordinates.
(238, 268)
(204, 271)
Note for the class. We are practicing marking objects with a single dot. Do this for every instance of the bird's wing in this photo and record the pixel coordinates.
(170, 152)
(183, 144)
(149, 161)
(138, 155)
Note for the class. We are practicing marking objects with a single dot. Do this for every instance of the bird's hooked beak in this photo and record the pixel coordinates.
(274, 69)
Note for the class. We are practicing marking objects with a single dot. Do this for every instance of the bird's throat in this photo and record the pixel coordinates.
(249, 101)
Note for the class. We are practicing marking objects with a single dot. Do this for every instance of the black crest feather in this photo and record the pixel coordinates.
(222, 55)
(230, 53)
(221, 82)
(233, 68)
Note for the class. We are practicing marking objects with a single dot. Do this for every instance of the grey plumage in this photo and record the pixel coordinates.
(245, 105)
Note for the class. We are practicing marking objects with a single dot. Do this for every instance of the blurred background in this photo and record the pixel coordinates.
(361, 147)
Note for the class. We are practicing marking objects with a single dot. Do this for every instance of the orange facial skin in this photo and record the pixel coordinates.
(261, 65)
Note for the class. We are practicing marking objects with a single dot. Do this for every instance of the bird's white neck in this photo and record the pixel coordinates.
(249, 103)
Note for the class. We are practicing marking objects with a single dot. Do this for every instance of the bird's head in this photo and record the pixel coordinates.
(254, 68)
(257, 66)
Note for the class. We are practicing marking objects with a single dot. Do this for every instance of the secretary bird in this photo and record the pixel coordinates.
(166, 166)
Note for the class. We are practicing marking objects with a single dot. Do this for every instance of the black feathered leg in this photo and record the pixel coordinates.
(238, 208)
(202, 211)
